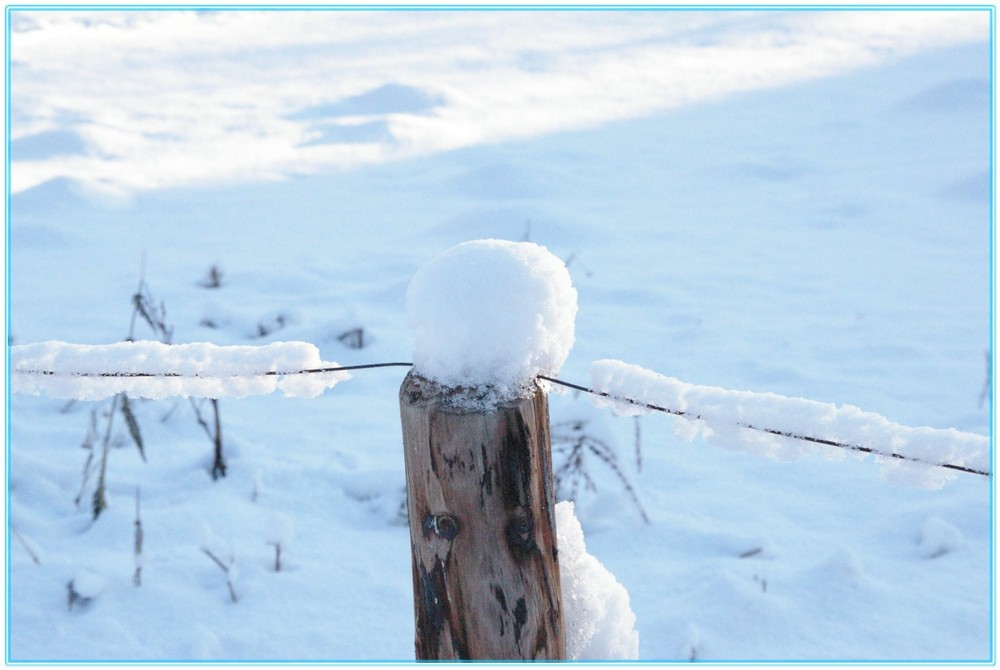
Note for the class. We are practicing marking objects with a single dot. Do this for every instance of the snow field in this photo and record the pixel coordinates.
(826, 239)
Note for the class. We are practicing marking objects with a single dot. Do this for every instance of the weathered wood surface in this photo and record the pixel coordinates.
(481, 514)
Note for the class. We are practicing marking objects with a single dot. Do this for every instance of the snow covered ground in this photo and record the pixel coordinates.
(794, 202)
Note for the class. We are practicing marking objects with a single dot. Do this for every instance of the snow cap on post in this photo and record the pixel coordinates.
(491, 314)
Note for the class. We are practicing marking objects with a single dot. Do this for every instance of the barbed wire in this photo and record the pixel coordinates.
(771, 431)
(182, 375)
(631, 401)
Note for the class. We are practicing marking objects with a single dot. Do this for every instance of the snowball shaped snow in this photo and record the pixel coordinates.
(491, 313)
(597, 616)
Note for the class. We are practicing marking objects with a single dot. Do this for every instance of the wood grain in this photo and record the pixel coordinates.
(481, 514)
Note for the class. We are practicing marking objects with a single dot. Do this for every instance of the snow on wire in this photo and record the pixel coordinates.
(786, 428)
(154, 370)
(762, 423)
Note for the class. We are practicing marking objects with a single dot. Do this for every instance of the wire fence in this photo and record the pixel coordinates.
(578, 387)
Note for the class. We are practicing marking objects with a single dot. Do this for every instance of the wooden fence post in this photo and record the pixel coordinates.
(482, 528)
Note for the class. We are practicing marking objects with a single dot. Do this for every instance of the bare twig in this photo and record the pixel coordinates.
(218, 562)
(576, 444)
(133, 426)
(277, 555)
(137, 577)
(88, 444)
(573, 257)
(353, 338)
(24, 543)
(170, 412)
(199, 418)
(154, 315)
(225, 569)
(218, 462)
(100, 501)
(72, 597)
(213, 279)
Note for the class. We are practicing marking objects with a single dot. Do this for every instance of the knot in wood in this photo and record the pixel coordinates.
(520, 533)
(445, 526)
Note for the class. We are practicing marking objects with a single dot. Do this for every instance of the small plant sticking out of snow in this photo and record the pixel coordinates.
(258, 486)
(213, 548)
(693, 647)
(26, 545)
(491, 314)
(84, 588)
(214, 433)
(281, 533)
(133, 426)
(99, 501)
(271, 324)
(938, 537)
(229, 568)
(88, 444)
(573, 257)
(277, 555)
(353, 338)
(137, 546)
(577, 447)
(154, 314)
(213, 278)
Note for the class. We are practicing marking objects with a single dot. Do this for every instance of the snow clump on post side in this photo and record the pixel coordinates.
(490, 316)
(598, 617)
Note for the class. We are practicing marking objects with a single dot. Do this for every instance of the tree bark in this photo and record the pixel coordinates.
(482, 529)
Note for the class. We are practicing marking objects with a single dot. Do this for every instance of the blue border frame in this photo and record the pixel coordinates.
(605, 7)
(993, 353)
(6, 330)
(9, 9)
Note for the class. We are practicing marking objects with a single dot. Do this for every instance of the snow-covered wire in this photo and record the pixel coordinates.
(156, 370)
(59, 369)
(180, 375)
(771, 431)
